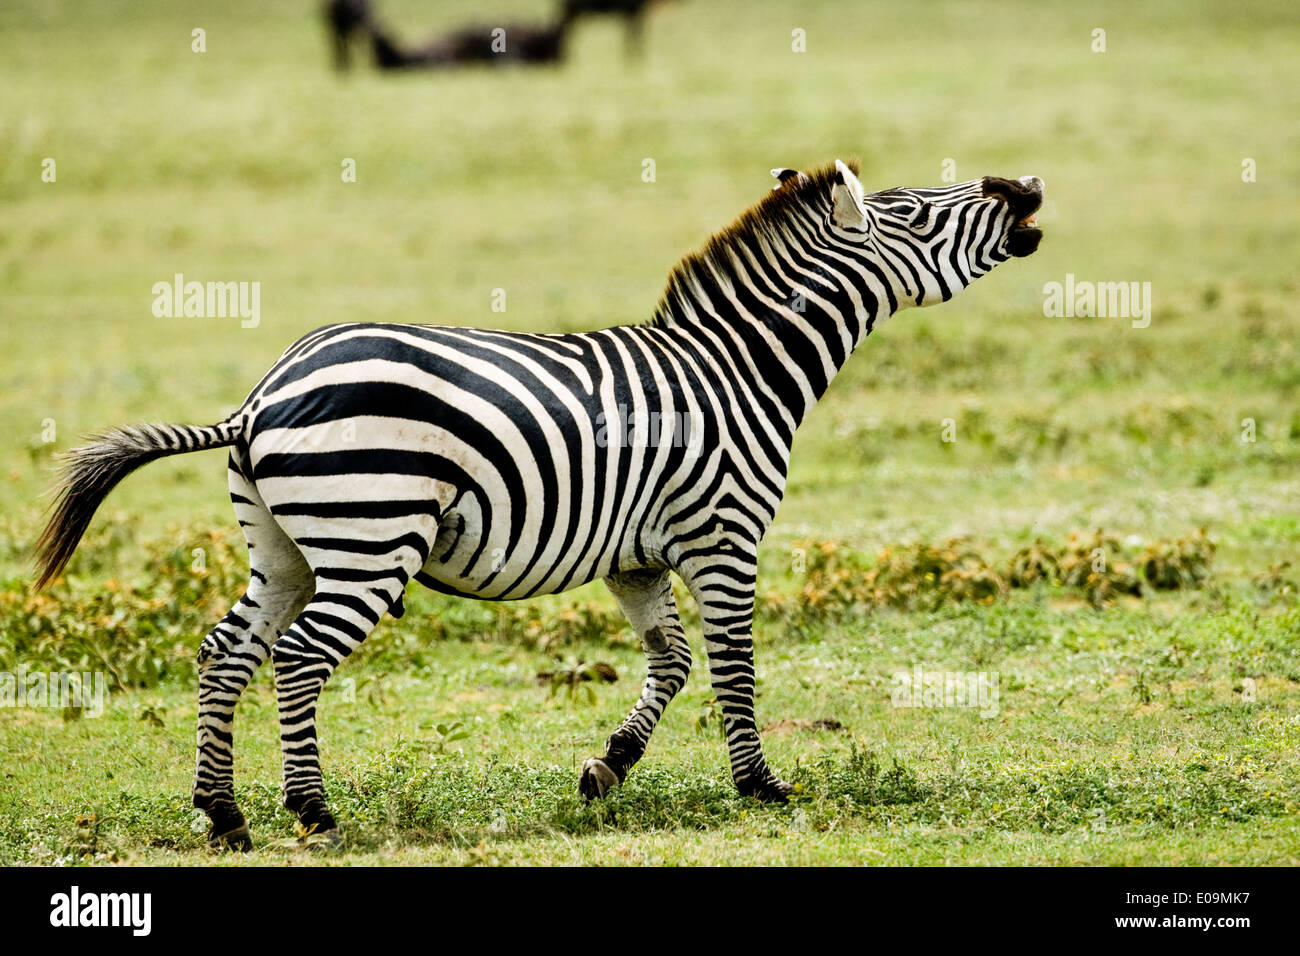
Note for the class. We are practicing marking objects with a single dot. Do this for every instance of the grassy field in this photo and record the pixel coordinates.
(1161, 726)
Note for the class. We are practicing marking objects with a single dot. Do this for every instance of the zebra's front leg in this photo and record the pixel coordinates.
(646, 597)
(724, 591)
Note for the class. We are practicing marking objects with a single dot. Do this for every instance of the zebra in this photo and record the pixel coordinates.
(494, 465)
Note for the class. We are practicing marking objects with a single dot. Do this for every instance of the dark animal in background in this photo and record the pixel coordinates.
(344, 19)
(632, 10)
(500, 44)
(497, 43)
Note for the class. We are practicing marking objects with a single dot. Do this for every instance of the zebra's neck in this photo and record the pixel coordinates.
(779, 302)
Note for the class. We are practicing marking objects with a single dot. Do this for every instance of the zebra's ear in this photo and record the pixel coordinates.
(784, 176)
(850, 207)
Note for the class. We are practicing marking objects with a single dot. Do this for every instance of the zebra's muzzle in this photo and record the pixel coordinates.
(1024, 197)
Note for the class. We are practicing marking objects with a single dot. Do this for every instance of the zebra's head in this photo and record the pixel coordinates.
(902, 247)
(932, 243)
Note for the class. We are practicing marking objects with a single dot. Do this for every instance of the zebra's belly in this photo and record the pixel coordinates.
(485, 588)
(497, 555)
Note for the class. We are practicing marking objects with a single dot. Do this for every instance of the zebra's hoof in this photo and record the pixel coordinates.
(767, 789)
(597, 779)
(313, 814)
(238, 839)
(326, 840)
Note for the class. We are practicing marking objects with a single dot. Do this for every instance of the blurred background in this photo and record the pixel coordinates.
(226, 165)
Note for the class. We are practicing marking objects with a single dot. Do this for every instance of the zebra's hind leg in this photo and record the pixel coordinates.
(228, 656)
(351, 595)
(646, 597)
(280, 583)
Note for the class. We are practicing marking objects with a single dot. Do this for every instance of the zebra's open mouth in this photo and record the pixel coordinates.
(1024, 196)
(1023, 237)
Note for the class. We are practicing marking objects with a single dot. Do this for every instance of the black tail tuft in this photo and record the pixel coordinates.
(90, 472)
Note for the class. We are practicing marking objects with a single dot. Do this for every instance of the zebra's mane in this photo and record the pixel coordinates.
(767, 218)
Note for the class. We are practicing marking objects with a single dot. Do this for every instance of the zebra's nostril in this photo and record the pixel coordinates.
(1023, 195)
(1035, 187)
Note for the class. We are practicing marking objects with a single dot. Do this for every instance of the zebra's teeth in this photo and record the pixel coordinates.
(1029, 222)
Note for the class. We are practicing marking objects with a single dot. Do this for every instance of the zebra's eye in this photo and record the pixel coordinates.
(921, 218)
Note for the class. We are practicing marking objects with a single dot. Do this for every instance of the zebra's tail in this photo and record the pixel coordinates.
(91, 471)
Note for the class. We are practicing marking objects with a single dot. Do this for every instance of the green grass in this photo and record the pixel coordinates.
(1123, 734)
(1118, 737)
